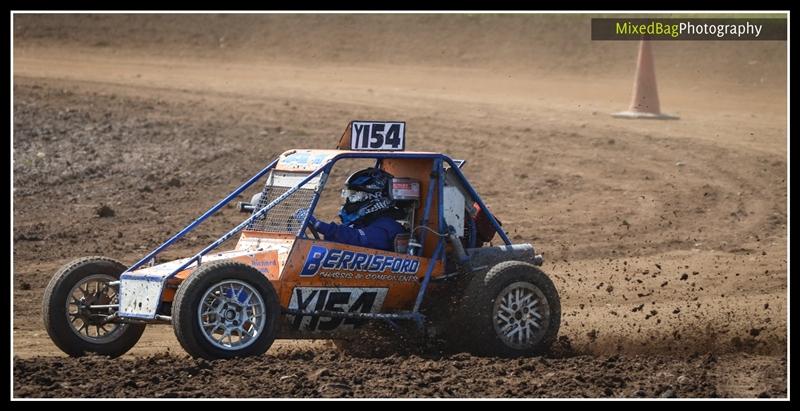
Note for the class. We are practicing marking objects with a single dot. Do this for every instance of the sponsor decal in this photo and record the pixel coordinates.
(263, 265)
(320, 257)
(349, 275)
(304, 159)
(350, 300)
(379, 205)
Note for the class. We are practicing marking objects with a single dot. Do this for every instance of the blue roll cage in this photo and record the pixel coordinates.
(437, 177)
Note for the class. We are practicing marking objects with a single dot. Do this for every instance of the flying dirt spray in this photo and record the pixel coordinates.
(644, 103)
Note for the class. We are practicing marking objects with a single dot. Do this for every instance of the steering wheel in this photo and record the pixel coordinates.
(300, 219)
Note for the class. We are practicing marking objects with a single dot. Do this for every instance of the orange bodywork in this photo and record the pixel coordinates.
(402, 287)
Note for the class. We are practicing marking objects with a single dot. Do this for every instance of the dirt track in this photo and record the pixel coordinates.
(666, 240)
(318, 373)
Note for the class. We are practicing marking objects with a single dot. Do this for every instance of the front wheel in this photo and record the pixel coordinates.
(77, 302)
(513, 310)
(226, 309)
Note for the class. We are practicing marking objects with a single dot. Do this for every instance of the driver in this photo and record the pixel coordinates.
(368, 214)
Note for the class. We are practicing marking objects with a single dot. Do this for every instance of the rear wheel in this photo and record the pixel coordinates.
(77, 303)
(513, 310)
(226, 309)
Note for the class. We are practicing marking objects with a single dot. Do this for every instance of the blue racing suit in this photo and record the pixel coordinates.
(378, 234)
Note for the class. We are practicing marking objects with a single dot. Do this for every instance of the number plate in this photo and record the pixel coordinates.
(378, 136)
(139, 297)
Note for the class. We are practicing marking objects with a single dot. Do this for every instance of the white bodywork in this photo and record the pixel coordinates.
(454, 208)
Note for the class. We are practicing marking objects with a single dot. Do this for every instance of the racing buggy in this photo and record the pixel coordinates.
(443, 278)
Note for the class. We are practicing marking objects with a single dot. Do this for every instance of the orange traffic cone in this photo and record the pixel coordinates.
(645, 93)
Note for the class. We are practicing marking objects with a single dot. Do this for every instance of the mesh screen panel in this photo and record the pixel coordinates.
(280, 218)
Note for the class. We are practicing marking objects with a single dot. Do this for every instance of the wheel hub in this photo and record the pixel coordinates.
(89, 323)
(520, 314)
(231, 315)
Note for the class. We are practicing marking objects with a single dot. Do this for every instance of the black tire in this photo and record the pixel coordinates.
(185, 319)
(56, 320)
(476, 314)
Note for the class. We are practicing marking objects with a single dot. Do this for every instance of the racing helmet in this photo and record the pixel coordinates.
(366, 193)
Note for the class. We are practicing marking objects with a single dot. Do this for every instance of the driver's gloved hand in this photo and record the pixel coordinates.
(300, 215)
